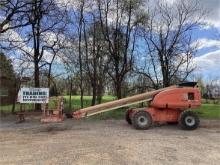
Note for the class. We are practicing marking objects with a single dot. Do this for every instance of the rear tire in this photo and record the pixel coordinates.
(189, 120)
(141, 120)
(172, 123)
(127, 117)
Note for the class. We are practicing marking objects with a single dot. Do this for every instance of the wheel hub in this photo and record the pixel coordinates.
(190, 121)
(142, 121)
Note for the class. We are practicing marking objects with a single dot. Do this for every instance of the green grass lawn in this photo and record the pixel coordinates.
(87, 101)
(209, 111)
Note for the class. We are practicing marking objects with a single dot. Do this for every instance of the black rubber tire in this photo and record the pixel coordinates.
(192, 123)
(172, 123)
(127, 117)
(146, 120)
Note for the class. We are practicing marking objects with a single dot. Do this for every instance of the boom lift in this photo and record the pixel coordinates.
(169, 104)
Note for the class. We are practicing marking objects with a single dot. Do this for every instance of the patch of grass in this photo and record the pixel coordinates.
(87, 101)
(114, 114)
(26, 107)
(209, 111)
(7, 108)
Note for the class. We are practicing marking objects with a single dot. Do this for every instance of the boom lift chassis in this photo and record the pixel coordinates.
(172, 104)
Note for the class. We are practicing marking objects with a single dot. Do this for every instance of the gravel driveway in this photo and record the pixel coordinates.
(107, 142)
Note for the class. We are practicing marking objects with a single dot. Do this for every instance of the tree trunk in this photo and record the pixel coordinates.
(166, 81)
(49, 76)
(17, 87)
(14, 104)
(164, 70)
(118, 89)
(99, 99)
(99, 93)
(80, 54)
(70, 98)
(94, 93)
(81, 84)
(37, 83)
(94, 82)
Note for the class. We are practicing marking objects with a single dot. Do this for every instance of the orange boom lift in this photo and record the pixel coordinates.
(172, 105)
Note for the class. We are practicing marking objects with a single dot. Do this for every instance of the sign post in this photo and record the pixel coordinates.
(33, 95)
(41, 96)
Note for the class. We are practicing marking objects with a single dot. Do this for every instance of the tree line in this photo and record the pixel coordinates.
(92, 47)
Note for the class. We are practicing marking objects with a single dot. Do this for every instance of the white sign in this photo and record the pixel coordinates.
(33, 95)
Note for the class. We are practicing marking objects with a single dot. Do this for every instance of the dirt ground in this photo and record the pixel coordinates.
(106, 142)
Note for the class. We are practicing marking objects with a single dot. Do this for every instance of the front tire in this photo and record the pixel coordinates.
(189, 120)
(141, 120)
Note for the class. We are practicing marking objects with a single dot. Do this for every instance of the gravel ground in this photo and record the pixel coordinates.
(107, 142)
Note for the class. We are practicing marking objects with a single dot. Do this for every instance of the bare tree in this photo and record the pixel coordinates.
(119, 20)
(13, 14)
(80, 33)
(38, 40)
(96, 65)
(168, 39)
(54, 48)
